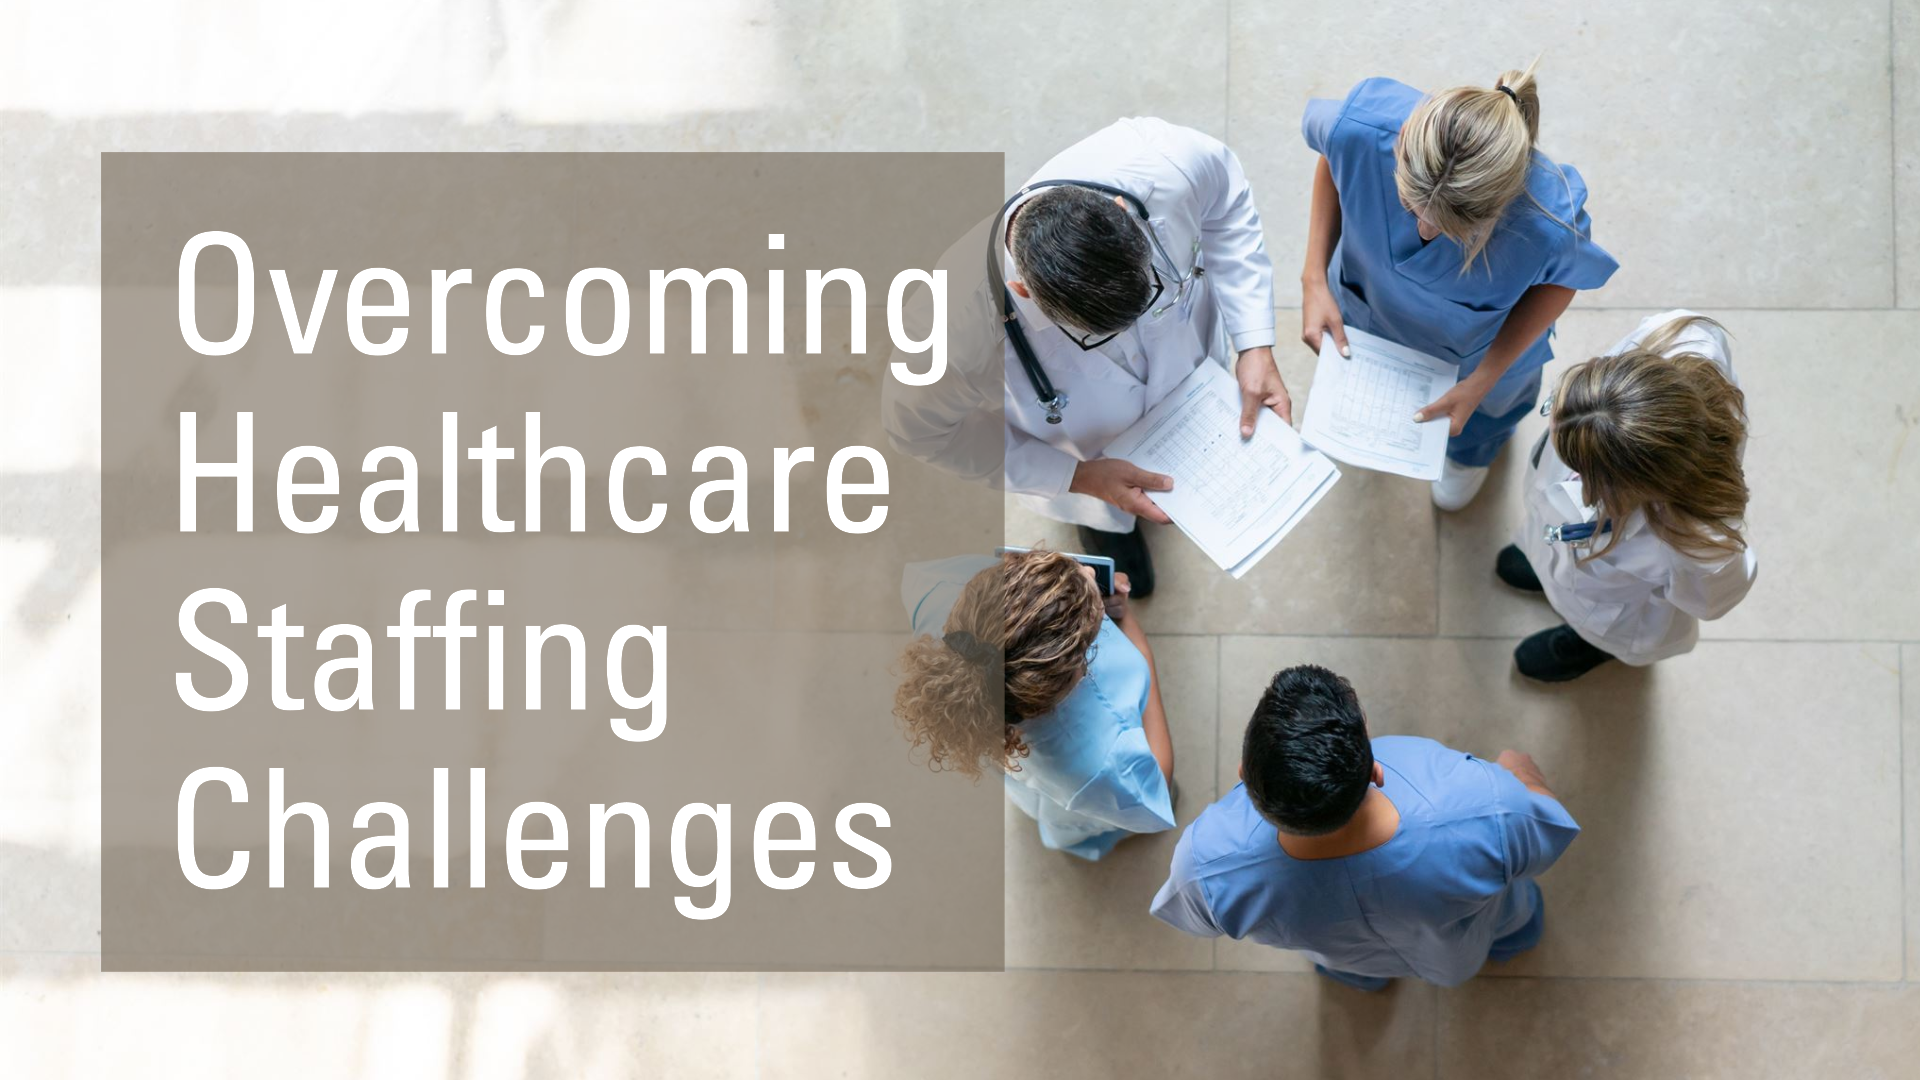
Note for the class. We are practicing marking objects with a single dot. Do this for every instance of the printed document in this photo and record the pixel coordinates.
(1360, 408)
(1234, 497)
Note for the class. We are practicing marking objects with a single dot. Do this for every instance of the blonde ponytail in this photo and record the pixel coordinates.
(1464, 155)
(1525, 97)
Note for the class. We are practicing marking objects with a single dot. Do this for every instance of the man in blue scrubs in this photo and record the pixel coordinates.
(1376, 858)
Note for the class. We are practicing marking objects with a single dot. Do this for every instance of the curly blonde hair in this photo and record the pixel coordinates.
(1014, 646)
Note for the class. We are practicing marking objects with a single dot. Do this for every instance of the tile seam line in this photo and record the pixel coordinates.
(1861, 984)
(1784, 309)
(1226, 80)
(1906, 897)
(1893, 147)
(1493, 637)
(94, 284)
(1850, 309)
(1709, 306)
(1439, 1004)
(1690, 980)
(1219, 714)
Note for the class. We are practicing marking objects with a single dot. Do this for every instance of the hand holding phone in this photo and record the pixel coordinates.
(1116, 603)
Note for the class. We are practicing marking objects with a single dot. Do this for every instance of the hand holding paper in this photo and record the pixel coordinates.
(1260, 388)
(1361, 408)
(1454, 406)
(1235, 497)
(1122, 483)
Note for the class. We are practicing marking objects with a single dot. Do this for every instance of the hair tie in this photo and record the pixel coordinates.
(980, 654)
(971, 648)
(1508, 90)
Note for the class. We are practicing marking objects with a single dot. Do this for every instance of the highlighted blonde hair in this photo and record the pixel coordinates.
(1464, 154)
(1028, 623)
(1662, 435)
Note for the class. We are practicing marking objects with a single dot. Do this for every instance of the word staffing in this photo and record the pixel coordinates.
(406, 631)
(302, 515)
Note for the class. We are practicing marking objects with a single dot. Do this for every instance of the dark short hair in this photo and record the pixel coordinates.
(1084, 259)
(1307, 758)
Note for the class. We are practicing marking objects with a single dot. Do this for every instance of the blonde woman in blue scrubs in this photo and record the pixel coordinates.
(1437, 224)
(1021, 666)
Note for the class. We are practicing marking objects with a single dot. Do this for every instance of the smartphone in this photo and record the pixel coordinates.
(1102, 566)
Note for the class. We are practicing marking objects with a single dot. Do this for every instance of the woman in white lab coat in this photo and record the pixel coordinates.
(1635, 500)
(1122, 282)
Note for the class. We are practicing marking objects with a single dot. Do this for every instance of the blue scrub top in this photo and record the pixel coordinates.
(1428, 903)
(1090, 778)
(1391, 283)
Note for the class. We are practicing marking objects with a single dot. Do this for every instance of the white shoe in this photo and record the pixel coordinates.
(1457, 486)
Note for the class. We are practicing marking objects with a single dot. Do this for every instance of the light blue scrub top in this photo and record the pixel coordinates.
(1391, 283)
(1090, 778)
(1428, 903)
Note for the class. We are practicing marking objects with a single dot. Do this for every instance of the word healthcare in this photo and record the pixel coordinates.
(405, 517)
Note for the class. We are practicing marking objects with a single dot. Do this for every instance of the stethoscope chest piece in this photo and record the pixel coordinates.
(1053, 405)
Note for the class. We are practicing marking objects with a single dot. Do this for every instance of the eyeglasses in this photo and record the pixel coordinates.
(1087, 342)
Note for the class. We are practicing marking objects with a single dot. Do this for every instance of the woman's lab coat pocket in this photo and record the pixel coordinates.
(1600, 616)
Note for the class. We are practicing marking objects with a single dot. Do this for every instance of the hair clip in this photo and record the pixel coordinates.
(971, 648)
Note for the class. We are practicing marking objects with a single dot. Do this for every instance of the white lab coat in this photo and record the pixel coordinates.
(1640, 600)
(981, 420)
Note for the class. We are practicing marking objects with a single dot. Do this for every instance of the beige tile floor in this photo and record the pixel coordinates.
(1745, 901)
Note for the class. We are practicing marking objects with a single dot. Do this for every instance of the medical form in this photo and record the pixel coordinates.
(1360, 408)
(1235, 498)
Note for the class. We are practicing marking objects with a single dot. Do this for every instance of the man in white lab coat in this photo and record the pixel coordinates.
(1122, 285)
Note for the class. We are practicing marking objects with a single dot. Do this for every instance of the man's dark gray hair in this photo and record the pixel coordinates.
(1083, 258)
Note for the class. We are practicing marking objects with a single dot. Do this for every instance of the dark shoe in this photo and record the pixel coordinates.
(1372, 984)
(1513, 568)
(1557, 655)
(1129, 553)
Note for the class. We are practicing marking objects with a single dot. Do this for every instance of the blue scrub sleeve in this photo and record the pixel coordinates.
(1578, 263)
(1182, 903)
(1537, 830)
(1316, 126)
(1129, 792)
(928, 590)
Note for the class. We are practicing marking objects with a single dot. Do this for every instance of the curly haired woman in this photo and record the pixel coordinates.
(1022, 666)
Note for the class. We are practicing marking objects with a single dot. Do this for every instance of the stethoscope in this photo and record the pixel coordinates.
(1578, 533)
(1046, 395)
(1573, 533)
